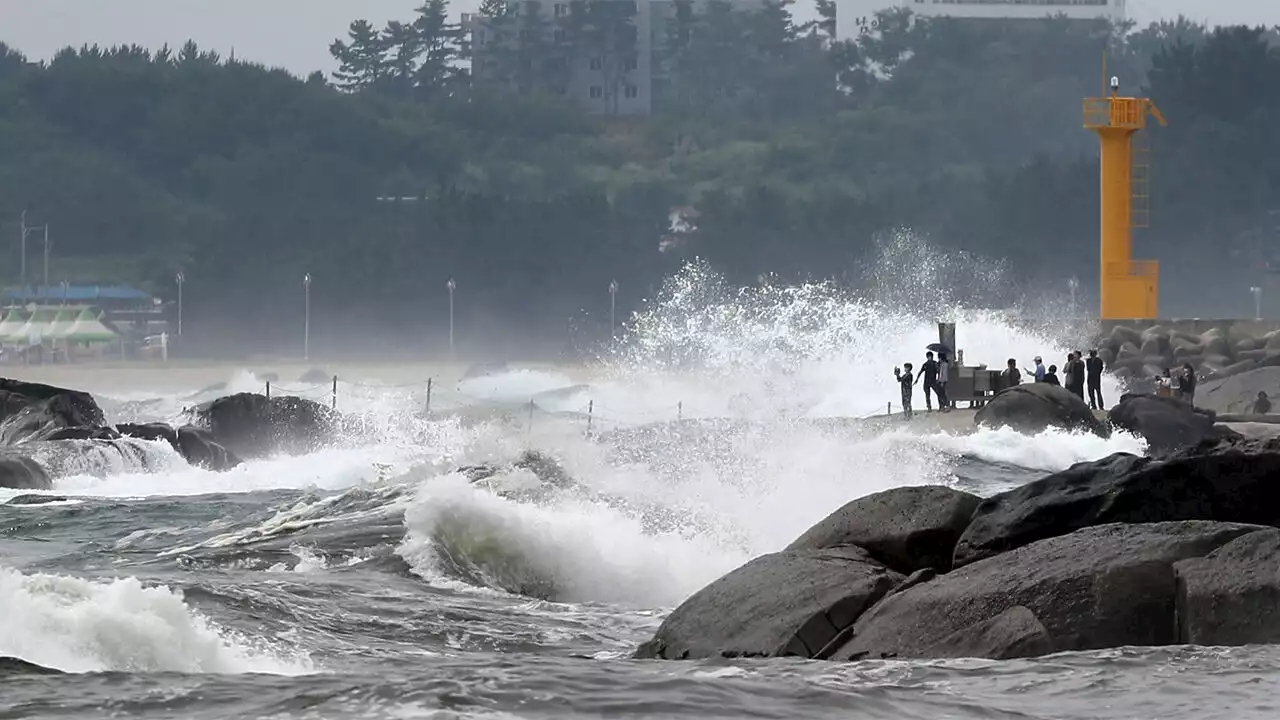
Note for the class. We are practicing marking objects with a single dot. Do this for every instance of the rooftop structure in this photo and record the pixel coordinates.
(1019, 9)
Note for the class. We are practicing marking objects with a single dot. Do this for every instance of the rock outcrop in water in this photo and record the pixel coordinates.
(32, 411)
(197, 446)
(251, 425)
(1126, 550)
(1166, 423)
(1035, 407)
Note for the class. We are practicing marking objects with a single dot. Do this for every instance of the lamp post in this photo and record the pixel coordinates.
(306, 317)
(1073, 284)
(1257, 302)
(25, 230)
(452, 286)
(180, 278)
(613, 308)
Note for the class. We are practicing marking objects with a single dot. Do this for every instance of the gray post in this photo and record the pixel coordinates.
(306, 317)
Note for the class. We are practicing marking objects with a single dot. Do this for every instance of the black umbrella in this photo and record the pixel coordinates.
(939, 348)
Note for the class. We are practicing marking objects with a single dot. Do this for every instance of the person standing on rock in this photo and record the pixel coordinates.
(1011, 375)
(1051, 377)
(1187, 384)
(929, 374)
(1039, 371)
(1093, 373)
(1262, 406)
(944, 372)
(906, 381)
(1075, 375)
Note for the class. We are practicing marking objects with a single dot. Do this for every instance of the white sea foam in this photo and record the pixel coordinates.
(79, 625)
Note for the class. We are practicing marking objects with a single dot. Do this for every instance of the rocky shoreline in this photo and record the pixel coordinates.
(1180, 546)
(48, 431)
(1123, 551)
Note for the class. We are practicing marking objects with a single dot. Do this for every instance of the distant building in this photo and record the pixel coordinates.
(1019, 9)
(631, 91)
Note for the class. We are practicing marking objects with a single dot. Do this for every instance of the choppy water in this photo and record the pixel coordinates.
(372, 581)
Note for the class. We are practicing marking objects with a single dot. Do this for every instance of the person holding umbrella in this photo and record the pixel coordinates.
(944, 369)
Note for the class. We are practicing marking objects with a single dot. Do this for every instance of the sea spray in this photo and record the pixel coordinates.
(79, 625)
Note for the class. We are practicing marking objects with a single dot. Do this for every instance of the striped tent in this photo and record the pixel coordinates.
(87, 328)
(10, 325)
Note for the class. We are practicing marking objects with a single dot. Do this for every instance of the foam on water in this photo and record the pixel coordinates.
(779, 356)
(78, 625)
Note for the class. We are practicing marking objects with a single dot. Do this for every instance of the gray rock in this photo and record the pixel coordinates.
(1035, 407)
(1222, 481)
(789, 603)
(1237, 393)
(1166, 423)
(1231, 596)
(32, 411)
(1100, 587)
(19, 472)
(250, 425)
(906, 528)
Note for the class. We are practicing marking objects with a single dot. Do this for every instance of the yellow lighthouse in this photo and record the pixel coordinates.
(1129, 288)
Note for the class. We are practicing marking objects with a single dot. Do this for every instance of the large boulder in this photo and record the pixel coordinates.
(906, 528)
(32, 411)
(1227, 481)
(253, 425)
(194, 444)
(1035, 407)
(1100, 587)
(1166, 423)
(789, 603)
(19, 472)
(1232, 595)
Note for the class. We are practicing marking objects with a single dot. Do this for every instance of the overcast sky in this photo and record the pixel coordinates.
(295, 34)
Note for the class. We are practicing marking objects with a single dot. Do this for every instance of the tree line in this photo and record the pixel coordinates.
(787, 150)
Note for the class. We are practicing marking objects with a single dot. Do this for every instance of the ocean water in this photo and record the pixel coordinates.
(371, 580)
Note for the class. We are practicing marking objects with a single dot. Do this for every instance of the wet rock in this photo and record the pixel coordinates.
(83, 433)
(1166, 423)
(32, 411)
(251, 425)
(200, 449)
(789, 603)
(1230, 596)
(19, 472)
(195, 445)
(35, 499)
(1035, 407)
(1099, 587)
(906, 528)
(150, 431)
(1227, 481)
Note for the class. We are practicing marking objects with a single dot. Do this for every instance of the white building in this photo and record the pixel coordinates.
(1019, 9)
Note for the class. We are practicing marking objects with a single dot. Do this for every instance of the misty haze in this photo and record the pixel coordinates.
(640, 358)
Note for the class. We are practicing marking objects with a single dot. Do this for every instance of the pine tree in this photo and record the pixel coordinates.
(363, 63)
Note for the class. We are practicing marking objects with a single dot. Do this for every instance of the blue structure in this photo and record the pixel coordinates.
(82, 294)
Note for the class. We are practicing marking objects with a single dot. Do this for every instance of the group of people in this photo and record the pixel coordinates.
(934, 374)
(1077, 374)
(1182, 386)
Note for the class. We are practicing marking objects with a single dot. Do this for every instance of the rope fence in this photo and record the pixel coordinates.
(594, 418)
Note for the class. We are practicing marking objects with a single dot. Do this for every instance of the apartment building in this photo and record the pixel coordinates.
(604, 89)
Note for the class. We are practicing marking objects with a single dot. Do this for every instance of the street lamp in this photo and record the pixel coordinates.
(180, 278)
(306, 317)
(613, 308)
(1073, 284)
(25, 231)
(1257, 302)
(452, 286)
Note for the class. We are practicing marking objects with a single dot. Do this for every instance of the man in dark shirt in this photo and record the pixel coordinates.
(906, 380)
(1093, 371)
(929, 374)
